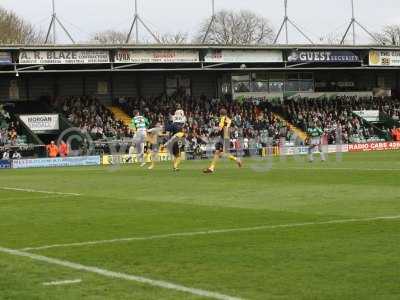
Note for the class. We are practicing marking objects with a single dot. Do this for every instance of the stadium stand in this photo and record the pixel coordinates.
(256, 124)
(250, 120)
(120, 115)
(259, 123)
(10, 130)
(91, 117)
(338, 113)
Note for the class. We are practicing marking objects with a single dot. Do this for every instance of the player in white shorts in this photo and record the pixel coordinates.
(315, 136)
(140, 125)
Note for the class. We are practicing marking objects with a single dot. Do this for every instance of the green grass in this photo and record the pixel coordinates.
(355, 260)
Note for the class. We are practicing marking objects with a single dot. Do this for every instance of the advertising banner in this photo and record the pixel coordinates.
(131, 158)
(304, 150)
(41, 123)
(70, 57)
(293, 151)
(5, 164)
(328, 95)
(337, 148)
(384, 58)
(243, 56)
(378, 146)
(156, 56)
(314, 56)
(56, 162)
(257, 97)
(368, 115)
(5, 58)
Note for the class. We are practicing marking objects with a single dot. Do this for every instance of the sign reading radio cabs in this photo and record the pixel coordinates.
(69, 57)
(384, 58)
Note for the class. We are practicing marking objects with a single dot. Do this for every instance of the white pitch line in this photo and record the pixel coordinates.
(218, 231)
(62, 282)
(111, 274)
(341, 169)
(26, 198)
(37, 191)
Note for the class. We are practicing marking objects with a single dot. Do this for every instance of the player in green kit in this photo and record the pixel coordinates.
(315, 140)
(139, 125)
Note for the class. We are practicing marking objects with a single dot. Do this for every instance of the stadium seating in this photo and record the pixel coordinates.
(338, 113)
(92, 117)
(249, 120)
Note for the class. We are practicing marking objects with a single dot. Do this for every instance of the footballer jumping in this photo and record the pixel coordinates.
(139, 125)
(175, 144)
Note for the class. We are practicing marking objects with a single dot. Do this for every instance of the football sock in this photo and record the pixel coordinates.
(214, 162)
(322, 155)
(232, 158)
(177, 162)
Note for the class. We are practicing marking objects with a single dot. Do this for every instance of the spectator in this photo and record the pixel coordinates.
(395, 132)
(52, 150)
(6, 155)
(16, 155)
(64, 150)
(246, 146)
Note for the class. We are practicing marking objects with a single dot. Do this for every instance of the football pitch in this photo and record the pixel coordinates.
(275, 229)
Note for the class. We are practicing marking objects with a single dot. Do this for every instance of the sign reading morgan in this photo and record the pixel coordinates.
(334, 56)
(70, 57)
(41, 123)
(157, 56)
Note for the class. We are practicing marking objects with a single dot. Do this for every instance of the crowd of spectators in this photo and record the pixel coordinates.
(92, 117)
(337, 118)
(250, 121)
(8, 129)
(253, 123)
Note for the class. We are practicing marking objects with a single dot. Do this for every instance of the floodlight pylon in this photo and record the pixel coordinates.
(212, 22)
(352, 25)
(52, 27)
(285, 27)
(135, 24)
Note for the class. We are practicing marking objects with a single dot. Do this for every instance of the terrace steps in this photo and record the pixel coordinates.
(120, 115)
(300, 133)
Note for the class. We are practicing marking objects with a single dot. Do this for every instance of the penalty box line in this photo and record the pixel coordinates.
(117, 275)
(209, 232)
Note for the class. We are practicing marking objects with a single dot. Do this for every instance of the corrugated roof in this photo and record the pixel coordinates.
(193, 46)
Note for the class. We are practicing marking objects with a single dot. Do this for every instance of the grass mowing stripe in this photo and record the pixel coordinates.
(111, 274)
(218, 231)
(39, 192)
